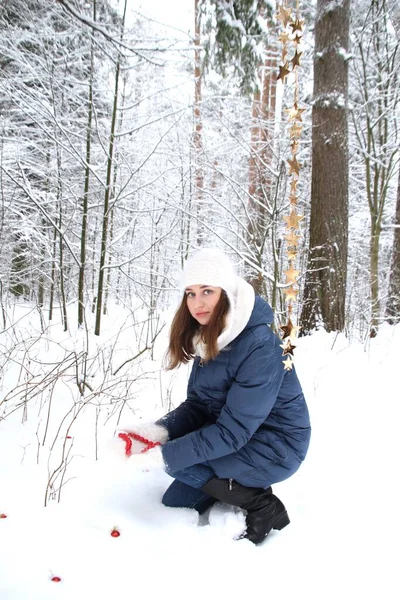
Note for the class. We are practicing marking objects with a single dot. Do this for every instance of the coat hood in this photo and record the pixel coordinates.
(247, 311)
(262, 314)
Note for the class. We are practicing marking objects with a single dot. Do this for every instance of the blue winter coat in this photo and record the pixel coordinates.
(245, 415)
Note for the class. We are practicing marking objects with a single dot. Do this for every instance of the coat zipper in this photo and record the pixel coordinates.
(199, 364)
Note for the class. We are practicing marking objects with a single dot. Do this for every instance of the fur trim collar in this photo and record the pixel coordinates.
(239, 313)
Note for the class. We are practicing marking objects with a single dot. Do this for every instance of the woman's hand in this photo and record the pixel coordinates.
(150, 432)
(138, 439)
(147, 461)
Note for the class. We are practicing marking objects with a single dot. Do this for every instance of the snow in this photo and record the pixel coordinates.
(343, 502)
(330, 6)
(330, 100)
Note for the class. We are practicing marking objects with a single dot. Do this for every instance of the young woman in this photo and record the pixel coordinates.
(244, 424)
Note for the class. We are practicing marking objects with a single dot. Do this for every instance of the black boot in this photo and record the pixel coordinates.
(264, 510)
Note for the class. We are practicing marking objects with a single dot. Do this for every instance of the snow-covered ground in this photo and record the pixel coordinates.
(343, 539)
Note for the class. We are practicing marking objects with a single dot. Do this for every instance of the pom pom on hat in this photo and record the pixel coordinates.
(210, 266)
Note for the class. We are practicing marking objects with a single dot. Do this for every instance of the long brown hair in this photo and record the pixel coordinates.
(184, 327)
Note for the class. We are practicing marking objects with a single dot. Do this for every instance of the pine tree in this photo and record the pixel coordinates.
(325, 284)
(236, 38)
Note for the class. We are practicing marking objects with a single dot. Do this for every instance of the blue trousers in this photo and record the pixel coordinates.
(185, 492)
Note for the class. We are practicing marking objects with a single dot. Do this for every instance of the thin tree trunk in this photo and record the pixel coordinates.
(373, 124)
(61, 270)
(108, 282)
(261, 182)
(53, 275)
(374, 275)
(393, 303)
(108, 187)
(85, 199)
(254, 162)
(61, 265)
(198, 129)
(42, 267)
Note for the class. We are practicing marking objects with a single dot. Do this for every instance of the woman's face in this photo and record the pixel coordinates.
(201, 301)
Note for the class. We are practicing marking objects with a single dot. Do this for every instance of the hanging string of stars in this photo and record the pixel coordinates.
(291, 37)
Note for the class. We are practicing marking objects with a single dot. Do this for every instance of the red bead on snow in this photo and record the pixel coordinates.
(3, 516)
(115, 533)
(56, 579)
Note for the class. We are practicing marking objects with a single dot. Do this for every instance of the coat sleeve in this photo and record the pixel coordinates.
(249, 401)
(187, 417)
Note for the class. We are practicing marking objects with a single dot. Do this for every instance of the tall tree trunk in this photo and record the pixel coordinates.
(393, 303)
(261, 183)
(42, 268)
(108, 189)
(63, 298)
(60, 224)
(325, 284)
(85, 199)
(198, 130)
(108, 281)
(53, 274)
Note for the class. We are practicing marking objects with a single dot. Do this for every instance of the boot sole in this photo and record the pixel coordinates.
(278, 525)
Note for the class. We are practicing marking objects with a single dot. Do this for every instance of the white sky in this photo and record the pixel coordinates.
(176, 14)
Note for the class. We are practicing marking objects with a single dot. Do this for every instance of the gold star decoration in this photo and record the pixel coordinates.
(295, 331)
(292, 238)
(293, 219)
(294, 113)
(287, 329)
(284, 38)
(291, 33)
(288, 348)
(295, 130)
(284, 14)
(291, 293)
(296, 25)
(294, 146)
(296, 59)
(297, 38)
(292, 254)
(288, 364)
(294, 165)
(283, 71)
(291, 275)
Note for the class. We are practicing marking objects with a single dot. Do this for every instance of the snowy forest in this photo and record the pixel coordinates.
(126, 142)
(124, 146)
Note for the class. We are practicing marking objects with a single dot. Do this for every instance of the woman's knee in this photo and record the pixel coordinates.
(170, 497)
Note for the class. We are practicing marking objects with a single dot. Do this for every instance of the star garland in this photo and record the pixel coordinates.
(291, 37)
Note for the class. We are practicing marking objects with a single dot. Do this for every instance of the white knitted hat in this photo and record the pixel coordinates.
(210, 266)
